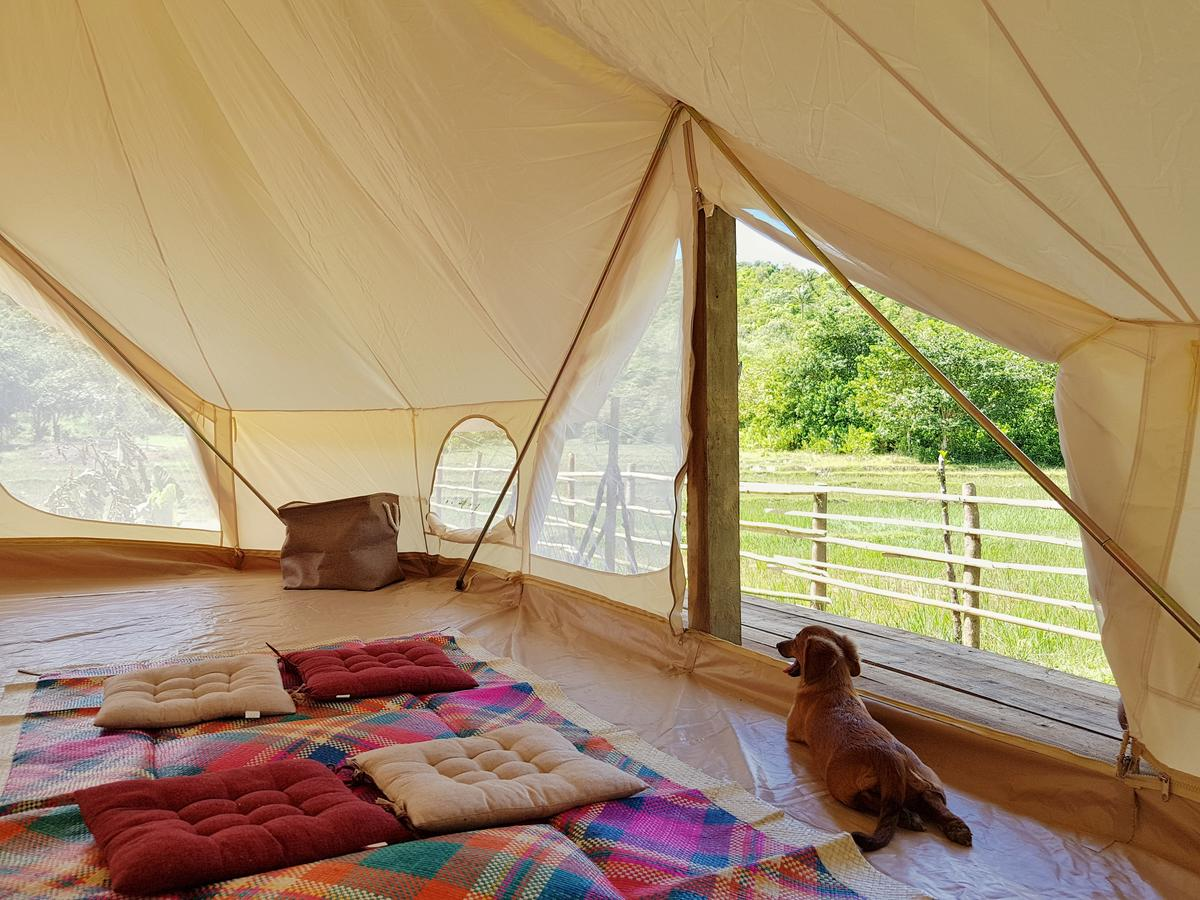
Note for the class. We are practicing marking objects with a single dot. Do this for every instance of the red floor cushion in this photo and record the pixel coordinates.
(369, 670)
(171, 833)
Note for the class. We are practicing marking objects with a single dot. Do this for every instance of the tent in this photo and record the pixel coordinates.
(326, 233)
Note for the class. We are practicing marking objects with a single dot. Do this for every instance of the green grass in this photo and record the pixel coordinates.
(1070, 654)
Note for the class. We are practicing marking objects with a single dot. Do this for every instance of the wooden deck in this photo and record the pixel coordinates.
(1005, 696)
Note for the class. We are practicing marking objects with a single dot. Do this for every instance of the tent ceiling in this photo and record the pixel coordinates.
(304, 205)
(926, 109)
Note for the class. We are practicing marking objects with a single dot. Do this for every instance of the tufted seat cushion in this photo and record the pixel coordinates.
(196, 692)
(370, 670)
(514, 774)
(174, 833)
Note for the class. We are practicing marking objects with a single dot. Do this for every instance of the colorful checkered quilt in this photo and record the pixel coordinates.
(687, 836)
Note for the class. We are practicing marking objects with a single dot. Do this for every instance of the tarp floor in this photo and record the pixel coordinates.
(724, 732)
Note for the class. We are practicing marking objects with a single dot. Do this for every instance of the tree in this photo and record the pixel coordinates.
(910, 414)
(57, 393)
(818, 374)
(800, 342)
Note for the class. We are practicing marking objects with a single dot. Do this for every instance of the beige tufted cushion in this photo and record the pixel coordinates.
(181, 695)
(513, 774)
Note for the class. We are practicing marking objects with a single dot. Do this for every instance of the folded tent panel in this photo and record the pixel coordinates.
(332, 231)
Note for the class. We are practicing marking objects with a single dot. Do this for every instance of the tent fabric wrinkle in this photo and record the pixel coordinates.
(326, 233)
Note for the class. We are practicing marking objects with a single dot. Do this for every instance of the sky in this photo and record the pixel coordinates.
(753, 247)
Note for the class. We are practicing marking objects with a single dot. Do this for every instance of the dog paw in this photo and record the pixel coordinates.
(957, 831)
(910, 821)
(866, 842)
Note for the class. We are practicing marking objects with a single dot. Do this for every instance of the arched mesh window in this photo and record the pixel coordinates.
(78, 440)
(475, 459)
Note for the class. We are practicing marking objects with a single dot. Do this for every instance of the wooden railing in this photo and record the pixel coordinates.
(600, 527)
(966, 585)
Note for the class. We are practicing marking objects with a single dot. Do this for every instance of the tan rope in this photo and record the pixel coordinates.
(1107, 543)
(651, 166)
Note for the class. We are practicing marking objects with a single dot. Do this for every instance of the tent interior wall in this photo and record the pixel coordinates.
(325, 234)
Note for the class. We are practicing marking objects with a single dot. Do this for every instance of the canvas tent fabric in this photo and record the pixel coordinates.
(326, 232)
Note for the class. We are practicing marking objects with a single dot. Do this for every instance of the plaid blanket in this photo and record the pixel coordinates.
(687, 836)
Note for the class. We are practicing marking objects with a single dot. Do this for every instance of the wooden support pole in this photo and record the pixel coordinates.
(713, 533)
(972, 547)
(820, 549)
(947, 543)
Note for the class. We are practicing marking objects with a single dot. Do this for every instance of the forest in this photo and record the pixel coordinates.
(819, 375)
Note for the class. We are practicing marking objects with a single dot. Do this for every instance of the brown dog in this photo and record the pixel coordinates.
(865, 767)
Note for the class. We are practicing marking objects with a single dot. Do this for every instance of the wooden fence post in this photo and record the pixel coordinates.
(947, 544)
(475, 485)
(820, 551)
(611, 484)
(973, 548)
(571, 493)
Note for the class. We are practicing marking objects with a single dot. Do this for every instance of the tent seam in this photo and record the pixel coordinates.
(497, 337)
(995, 165)
(1088, 159)
(1143, 684)
(142, 202)
(1078, 345)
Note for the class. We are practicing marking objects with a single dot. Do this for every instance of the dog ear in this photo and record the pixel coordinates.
(820, 656)
(851, 652)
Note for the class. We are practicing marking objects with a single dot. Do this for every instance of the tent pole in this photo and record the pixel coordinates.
(651, 166)
(75, 305)
(1107, 543)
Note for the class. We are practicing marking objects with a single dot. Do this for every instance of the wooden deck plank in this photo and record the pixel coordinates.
(1006, 695)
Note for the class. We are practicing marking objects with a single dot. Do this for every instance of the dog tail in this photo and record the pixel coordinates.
(893, 784)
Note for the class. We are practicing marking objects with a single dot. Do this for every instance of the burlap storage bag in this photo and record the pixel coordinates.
(345, 544)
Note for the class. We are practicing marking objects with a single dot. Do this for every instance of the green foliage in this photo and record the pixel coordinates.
(818, 374)
(52, 386)
(800, 351)
(649, 406)
(910, 414)
(77, 439)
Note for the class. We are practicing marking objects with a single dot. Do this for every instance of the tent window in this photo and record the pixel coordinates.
(614, 501)
(78, 440)
(475, 460)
